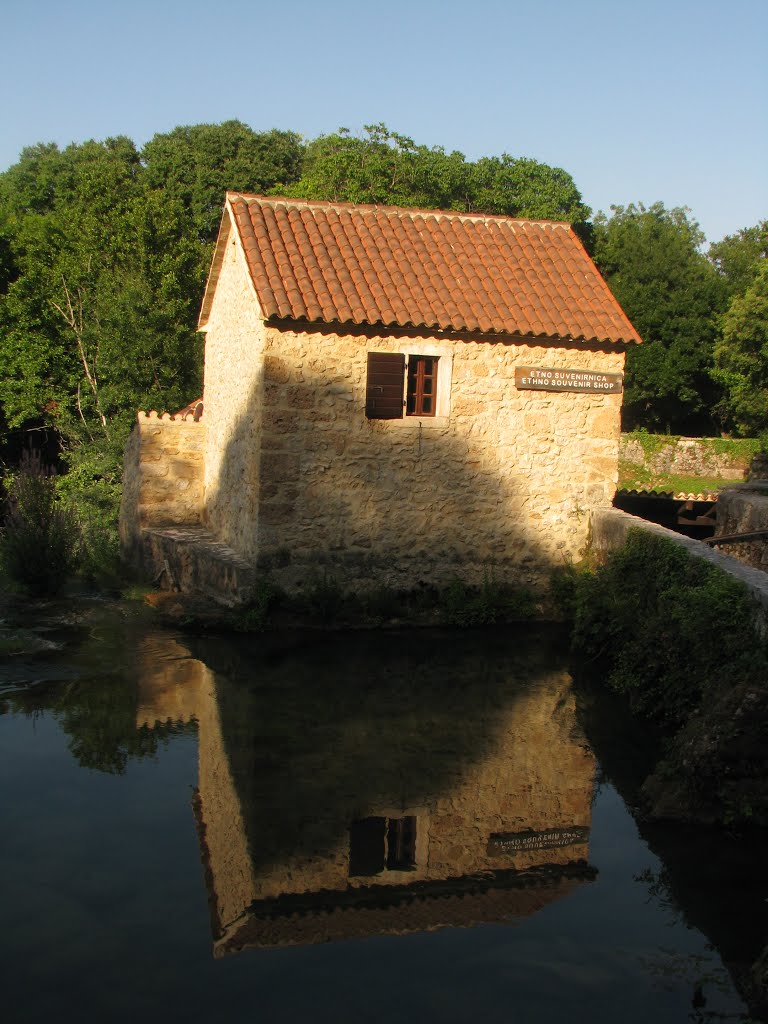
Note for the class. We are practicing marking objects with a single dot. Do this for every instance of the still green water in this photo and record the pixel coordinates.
(354, 827)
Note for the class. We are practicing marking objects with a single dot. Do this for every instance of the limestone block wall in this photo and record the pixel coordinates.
(505, 479)
(233, 407)
(743, 510)
(162, 476)
(692, 456)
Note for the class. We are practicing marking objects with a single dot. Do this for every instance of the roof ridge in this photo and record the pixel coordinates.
(389, 208)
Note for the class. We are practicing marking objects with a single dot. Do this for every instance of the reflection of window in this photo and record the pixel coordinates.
(382, 844)
(398, 383)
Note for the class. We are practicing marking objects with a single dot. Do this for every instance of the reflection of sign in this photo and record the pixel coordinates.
(539, 379)
(501, 843)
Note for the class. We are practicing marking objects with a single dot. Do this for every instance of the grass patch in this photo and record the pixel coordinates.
(633, 477)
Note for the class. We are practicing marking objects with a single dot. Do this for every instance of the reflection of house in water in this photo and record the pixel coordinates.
(333, 810)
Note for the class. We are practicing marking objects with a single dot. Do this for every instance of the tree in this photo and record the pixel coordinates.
(741, 357)
(197, 164)
(384, 167)
(737, 258)
(673, 296)
(525, 188)
(98, 313)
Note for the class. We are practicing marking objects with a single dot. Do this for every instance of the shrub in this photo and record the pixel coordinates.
(486, 605)
(665, 628)
(40, 540)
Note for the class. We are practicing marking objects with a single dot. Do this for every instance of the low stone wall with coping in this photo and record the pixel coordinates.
(609, 528)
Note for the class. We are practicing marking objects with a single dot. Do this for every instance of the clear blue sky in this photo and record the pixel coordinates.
(639, 101)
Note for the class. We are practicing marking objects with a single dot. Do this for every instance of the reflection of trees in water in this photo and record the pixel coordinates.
(99, 717)
(711, 879)
(90, 687)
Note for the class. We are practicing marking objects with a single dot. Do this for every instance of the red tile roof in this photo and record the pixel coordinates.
(338, 263)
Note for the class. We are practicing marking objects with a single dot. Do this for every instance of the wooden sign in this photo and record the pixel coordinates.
(506, 843)
(537, 378)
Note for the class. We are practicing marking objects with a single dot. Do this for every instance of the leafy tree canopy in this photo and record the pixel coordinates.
(383, 167)
(738, 257)
(197, 164)
(672, 293)
(741, 357)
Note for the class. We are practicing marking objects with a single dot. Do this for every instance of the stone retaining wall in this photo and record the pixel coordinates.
(742, 510)
(690, 456)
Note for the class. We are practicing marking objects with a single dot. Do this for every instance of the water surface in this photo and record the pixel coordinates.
(354, 827)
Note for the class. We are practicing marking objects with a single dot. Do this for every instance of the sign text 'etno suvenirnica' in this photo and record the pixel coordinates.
(536, 378)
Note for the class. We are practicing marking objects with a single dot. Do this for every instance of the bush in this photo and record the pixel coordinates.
(665, 628)
(486, 605)
(40, 541)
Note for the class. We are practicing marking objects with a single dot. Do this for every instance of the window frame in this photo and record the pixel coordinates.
(421, 383)
(415, 350)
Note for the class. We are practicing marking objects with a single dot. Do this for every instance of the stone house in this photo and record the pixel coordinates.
(391, 396)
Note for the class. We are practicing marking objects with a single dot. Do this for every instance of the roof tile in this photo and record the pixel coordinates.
(390, 266)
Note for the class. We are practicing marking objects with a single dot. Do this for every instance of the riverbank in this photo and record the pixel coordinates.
(684, 644)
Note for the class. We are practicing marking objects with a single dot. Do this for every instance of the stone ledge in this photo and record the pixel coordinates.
(192, 560)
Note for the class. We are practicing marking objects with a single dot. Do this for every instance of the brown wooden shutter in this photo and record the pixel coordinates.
(384, 391)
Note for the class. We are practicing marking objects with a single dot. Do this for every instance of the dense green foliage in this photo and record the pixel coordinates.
(741, 357)
(384, 167)
(701, 353)
(672, 293)
(679, 638)
(666, 629)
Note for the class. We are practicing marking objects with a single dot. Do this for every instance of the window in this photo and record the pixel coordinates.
(422, 386)
(400, 384)
(382, 844)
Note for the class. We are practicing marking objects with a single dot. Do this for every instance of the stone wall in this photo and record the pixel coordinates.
(690, 456)
(743, 510)
(312, 486)
(162, 478)
(234, 368)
